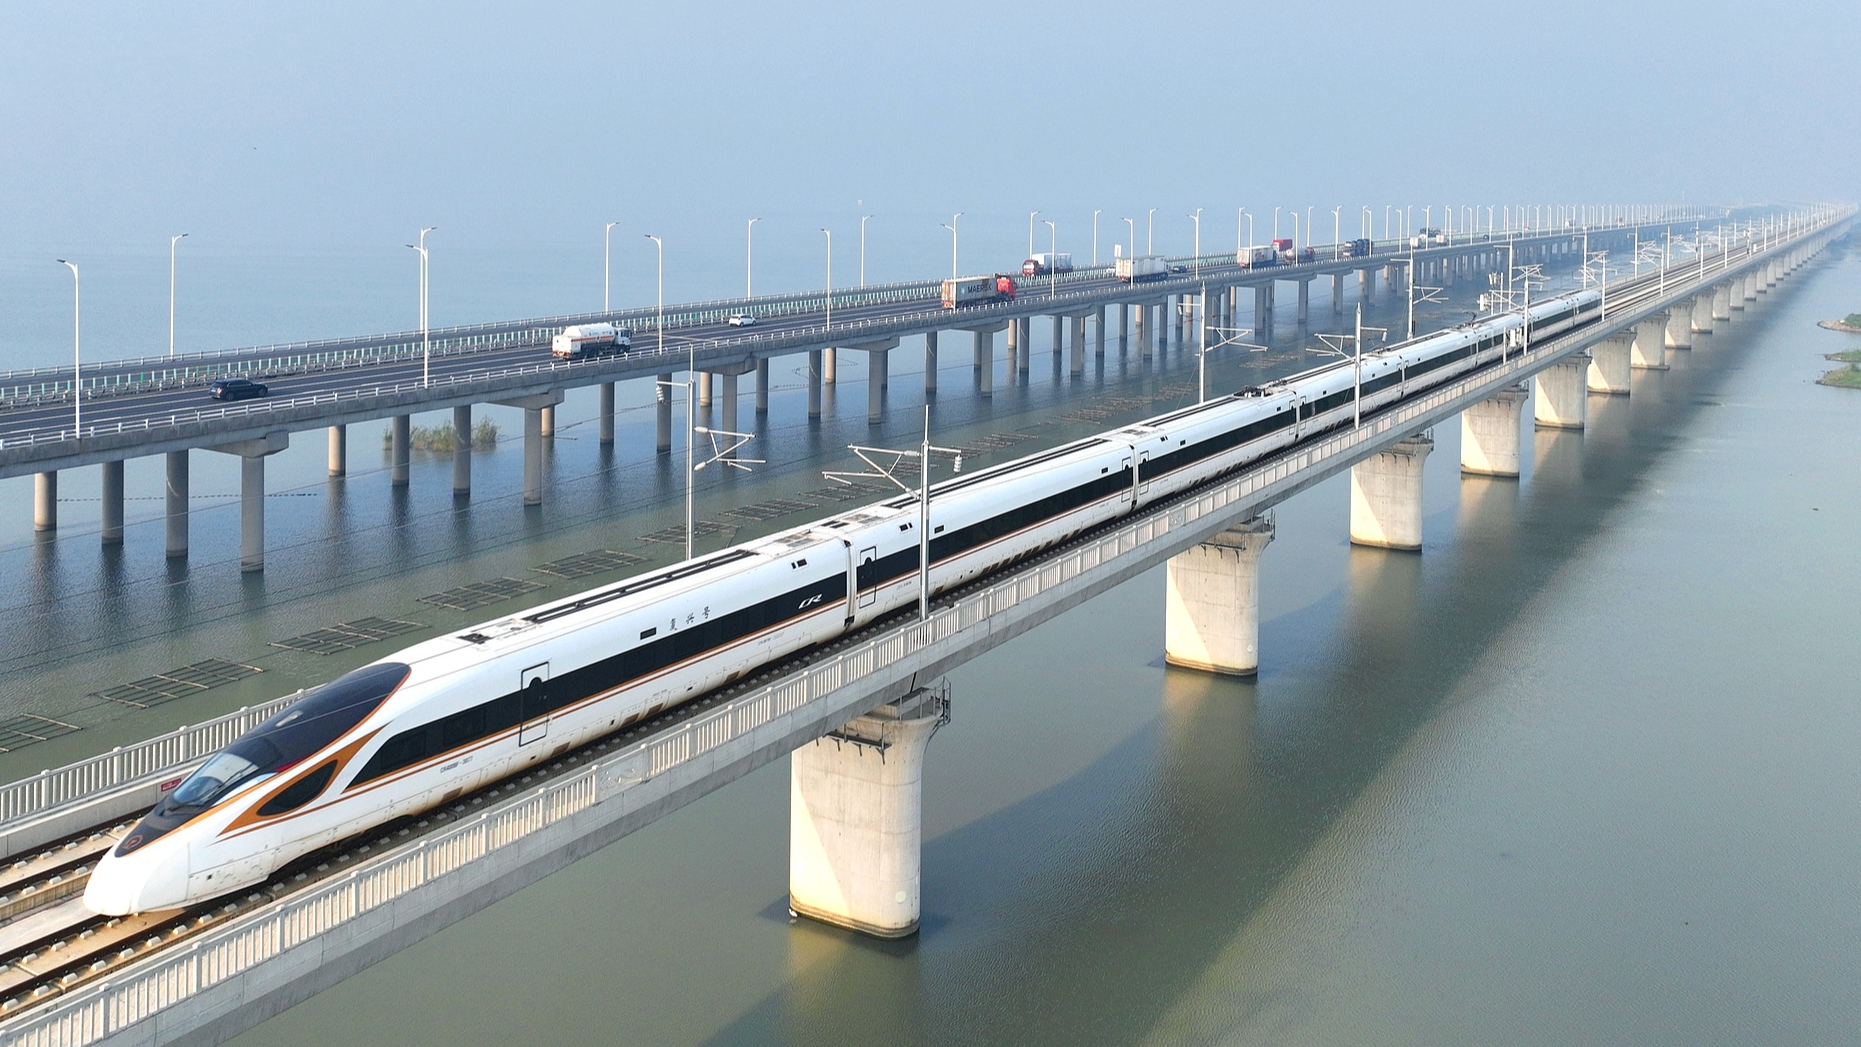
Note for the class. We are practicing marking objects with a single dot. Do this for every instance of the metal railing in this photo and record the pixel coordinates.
(49, 790)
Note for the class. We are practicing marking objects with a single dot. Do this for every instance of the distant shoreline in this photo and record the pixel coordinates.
(1839, 325)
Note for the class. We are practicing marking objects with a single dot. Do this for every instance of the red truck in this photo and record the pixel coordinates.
(975, 290)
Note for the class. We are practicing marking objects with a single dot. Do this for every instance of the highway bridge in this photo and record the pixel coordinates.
(856, 716)
(142, 408)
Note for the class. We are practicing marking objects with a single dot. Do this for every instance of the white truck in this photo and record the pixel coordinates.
(1047, 262)
(582, 340)
(1140, 267)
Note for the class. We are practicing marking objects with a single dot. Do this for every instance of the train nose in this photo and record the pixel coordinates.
(139, 882)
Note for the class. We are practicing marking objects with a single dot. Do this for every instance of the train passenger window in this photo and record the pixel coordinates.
(300, 792)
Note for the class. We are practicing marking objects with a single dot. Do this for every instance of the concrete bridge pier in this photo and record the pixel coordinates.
(878, 365)
(1609, 366)
(829, 366)
(1563, 394)
(533, 407)
(985, 356)
(1649, 350)
(1337, 293)
(1701, 309)
(175, 503)
(1680, 327)
(1735, 292)
(549, 423)
(462, 444)
(1721, 302)
(814, 384)
(1180, 306)
(1305, 302)
(1489, 434)
(400, 439)
(1098, 333)
(112, 508)
(1263, 311)
(339, 450)
(1386, 496)
(762, 386)
(1143, 327)
(45, 501)
(606, 414)
(662, 414)
(1212, 602)
(856, 818)
(727, 395)
(930, 365)
(1024, 354)
(1124, 327)
(1749, 283)
(707, 385)
(252, 454)
(1366, 285)
(1076, 346)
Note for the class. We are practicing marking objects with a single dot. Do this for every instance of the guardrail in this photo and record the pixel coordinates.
(49, 790)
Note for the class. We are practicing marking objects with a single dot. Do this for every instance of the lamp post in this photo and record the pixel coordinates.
(1133, 227)
(952, 228)
(830, 277)
(749, 257)
(173, 240)
(607, 254)
(1150, 230)
(862, 249)
(1197, 219)
(77, 356)
(1336, 235)
(426, 346)
(691, 378)
(1250, 235)
(1276, 223)
(1030, 233)
(1368, 222)
(1053, 267)
(1095, 235)
(1295, 238)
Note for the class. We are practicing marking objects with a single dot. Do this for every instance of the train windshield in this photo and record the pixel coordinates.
(293, 734)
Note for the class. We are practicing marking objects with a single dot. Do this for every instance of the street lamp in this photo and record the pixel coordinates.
(173, 240)
(749, 258)
(426, 346)
(830, 277)
(862, 249)
(1276, 223)
(1053, 254)
(607, 253)
(952, 228)
(1295, 238)
(1197, 219)
(1368, 221)
(1149, 233)
(691, 378)
(1133, 226)
(77, 357)
(1095, 235)
(1030, 233)
(1336, 236)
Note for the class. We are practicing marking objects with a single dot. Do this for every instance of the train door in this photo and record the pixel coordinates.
(866, 575)
(533, 700)
(1143, 478)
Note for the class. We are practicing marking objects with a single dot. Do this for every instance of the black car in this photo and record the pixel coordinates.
(237, 389)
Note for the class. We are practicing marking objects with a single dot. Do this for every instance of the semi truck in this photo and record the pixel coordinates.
(1360, 248)
(976, 290)
(1141, 267)
(1257, 257)
(581, 340)
(1047, 262)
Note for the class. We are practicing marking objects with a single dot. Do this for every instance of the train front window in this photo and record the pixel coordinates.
(215, 778)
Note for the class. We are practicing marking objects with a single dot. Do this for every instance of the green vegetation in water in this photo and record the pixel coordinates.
(1852, 319)
(1844, 377)
(1847, 356)
(438, 439)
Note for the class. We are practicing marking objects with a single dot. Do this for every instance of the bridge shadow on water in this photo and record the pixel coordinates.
(1085, 912)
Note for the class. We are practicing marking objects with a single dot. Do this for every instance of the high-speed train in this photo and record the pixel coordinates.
(447, 715)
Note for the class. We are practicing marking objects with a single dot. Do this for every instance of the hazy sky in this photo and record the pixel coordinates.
(338, 125)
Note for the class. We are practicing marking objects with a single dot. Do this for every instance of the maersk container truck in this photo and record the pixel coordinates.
(977, 290)
(1140, 268)
(589, 340)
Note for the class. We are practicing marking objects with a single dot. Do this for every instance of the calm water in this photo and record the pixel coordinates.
(1579, 773)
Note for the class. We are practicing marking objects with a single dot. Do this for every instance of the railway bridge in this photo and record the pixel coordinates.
(857, 716)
